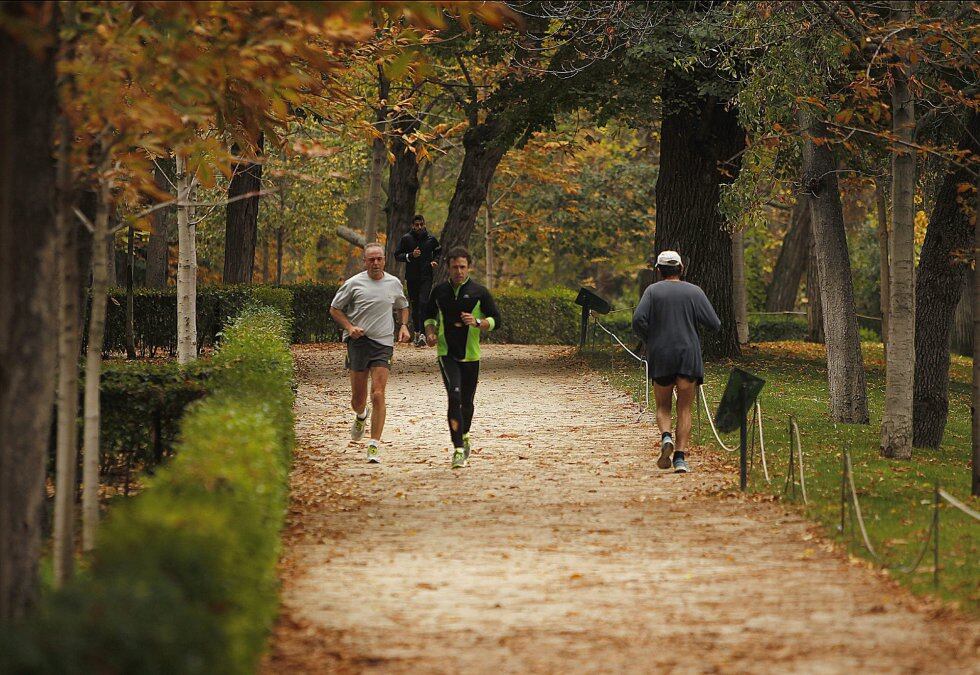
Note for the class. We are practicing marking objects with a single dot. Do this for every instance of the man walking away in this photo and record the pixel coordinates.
(419, 250)
(363, 307)
(458, 312)
(667, 319)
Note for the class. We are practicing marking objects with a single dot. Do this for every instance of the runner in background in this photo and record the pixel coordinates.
(459, 311)
(420, 251)
(363, 307)
(667, 319)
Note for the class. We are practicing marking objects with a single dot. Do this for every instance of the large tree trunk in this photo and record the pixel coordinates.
(961, 335)
(896, 419)
(69, 345)
(482, 153)
(403, 190)
(939, 286)
(884, 270)
(111, 271)
(814, 308)
(975, 490)
(740, 293)
(845, 368)
(93, 369)
(786, 275)
(130, 291)
(242, 221)
(700, 139)
(28, 301)
(379, 152)
(156, 248)
(186, 268)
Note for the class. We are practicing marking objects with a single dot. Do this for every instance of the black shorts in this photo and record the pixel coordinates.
(364, 353)
(668, 380)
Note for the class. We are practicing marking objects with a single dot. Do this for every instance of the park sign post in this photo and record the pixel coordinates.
(590, 302)
(739, 397)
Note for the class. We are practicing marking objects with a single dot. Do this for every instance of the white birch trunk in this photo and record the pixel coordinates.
(738, 287)
(93, 371)
(186, 269)
(69, 336)
(896, 422)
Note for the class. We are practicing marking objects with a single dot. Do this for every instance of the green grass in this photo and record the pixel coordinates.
(895, 496)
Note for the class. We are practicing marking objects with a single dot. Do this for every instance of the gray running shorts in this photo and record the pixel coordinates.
(364, 353)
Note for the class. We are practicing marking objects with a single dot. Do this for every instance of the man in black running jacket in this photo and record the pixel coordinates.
(420, 251)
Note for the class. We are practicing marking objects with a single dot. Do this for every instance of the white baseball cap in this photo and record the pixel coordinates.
(669, 258)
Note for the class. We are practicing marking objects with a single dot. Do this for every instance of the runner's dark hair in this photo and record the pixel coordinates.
(459, 252)
(669, 270)
(419, 218)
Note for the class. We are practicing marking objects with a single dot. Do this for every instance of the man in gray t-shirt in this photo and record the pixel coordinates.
(363, 307)
(667, 319)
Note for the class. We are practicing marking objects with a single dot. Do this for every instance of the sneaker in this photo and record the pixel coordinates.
(680, 465)
(374, 454)
(666, 450)
(466, 447)
(359, 424)
(459, 458)
(420, 340)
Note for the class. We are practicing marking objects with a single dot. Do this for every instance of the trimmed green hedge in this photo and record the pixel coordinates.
(531, 317)
(183, 578)
(142, 404)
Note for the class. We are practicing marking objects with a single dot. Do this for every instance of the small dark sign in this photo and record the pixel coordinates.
(739, 397)
(588, 299)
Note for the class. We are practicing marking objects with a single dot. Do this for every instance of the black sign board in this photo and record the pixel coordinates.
(739, 397)
(590, 300)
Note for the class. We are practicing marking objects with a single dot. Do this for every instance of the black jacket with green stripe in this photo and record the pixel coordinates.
(444, 310)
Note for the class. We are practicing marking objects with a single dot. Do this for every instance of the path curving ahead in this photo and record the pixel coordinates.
(561, 548)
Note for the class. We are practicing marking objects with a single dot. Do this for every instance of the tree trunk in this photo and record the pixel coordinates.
(814, 308)
(699, 137)
(961, 336)
(112, 274)
(93, 369)
(242, 221)
(130, 291)
(28, 301)
(403, 190)
(884, 273)
(896, 419)
(845, 367)
(266, 275)
(379, 152)
(975, 490)
(156, 248)
(482, 153)
(939, 287)
(186, 268)
(488, 239)
(793, 254)
(69, 345)
(279, 237)
(740, 293)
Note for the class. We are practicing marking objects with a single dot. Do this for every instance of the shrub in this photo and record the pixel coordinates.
(183, 578)
(311, 313)
(777, 327)
(537, 317)
(142, 404)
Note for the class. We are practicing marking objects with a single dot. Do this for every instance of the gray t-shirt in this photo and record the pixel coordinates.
(368, 303)
(667, 319)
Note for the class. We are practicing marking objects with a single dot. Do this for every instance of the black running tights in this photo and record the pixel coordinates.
(460, 378)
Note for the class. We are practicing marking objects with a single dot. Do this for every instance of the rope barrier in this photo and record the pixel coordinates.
(958, 504)
(646, 364)
(711, 422)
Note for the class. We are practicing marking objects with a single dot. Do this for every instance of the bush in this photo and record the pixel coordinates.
(142, 404)
(311, 313)
(537, 317)
(777, 327)
(183, 578)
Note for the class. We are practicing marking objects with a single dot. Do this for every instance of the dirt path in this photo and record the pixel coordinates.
(562, 547)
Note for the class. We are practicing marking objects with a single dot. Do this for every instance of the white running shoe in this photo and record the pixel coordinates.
(359, 424)
(666, 450)
(373, 454)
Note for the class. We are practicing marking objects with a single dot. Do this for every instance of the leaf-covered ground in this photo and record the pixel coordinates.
(562, 547)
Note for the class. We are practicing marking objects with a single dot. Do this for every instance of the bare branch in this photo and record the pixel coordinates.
(350, 236)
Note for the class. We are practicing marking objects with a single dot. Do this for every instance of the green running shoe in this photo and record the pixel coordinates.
(373, 454)
(359, 424)
(466, 447)
(459, 458)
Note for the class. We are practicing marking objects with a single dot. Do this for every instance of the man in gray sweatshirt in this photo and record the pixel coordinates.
(667, 319)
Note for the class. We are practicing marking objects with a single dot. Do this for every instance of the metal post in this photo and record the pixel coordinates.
(843, 489)
(935, 549)
(743, 433)
(585, 326)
